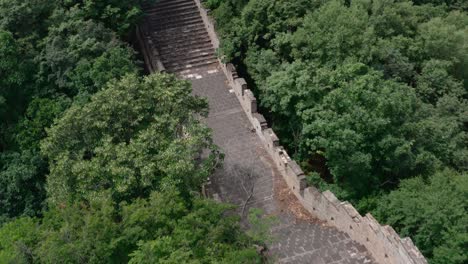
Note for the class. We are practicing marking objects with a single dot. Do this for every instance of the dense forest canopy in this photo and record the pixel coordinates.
(371, 98)
(99, 164)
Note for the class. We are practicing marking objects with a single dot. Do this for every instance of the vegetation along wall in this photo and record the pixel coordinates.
(95, 165)
(370, 99)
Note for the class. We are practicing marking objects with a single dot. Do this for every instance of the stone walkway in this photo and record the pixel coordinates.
(249, 175)
(175, 34)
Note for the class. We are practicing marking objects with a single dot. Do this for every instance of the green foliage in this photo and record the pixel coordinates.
(107, 156)
(20, 172)
(305, 63)
(14, 89)
(161, 229)
(90, 76)
(213, 4)
(248, 24)
(325, 39)
(351, 115)
(433, 212)
(435, 81)
(76, 53)
(27, 20)
(80, 233)
(119, 16)
(40, 114)
(361, 117)
(115, 140)
(21, 184)
(451, 4)
(204, 235)
(10, 64)
(16, 240)
(374, 90)
(130, 138)
(260, 225)
(225, 10)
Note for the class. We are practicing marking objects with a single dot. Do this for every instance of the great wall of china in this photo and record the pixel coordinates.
(179, 37)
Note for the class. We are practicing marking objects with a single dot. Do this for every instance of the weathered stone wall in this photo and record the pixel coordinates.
(148, 49)
(383, 242)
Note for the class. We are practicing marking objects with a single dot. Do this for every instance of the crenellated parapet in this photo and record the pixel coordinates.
(382, 242)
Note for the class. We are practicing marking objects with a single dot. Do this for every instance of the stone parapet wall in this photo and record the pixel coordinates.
(148, 49)
(382, 242)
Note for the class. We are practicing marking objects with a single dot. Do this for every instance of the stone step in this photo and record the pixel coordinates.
(173, 31)
(201, 58)
(179, 18)
(178, 32)
(188, 59)
(176, 26)
(188, 54)
(176, 15)
(166, 4)
(185, 52)
(172, 50)
(170, 35)
(167, 25)
(192, 66)
(173, 10)
(184, 48)
(196, 61)
(169, 2)
(179, 39)
(163, 11)
(170, 11)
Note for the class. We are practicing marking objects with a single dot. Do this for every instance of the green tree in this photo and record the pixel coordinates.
(22, 178)
(202, 235)
(40, 114)
(333, 33)
(89, 76)
(17, 240)
(132, 137)
(362, 117)
(435, 81)
(76, 52)
(433, 212)
(27, 20)
(452, 4)
(75, 62)
(373, 91)
(80, 233)
(445, 39)
(13, 86)
(119, 16)
(297, 64)
(163, 228)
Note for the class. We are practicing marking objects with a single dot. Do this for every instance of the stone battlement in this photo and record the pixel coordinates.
(382, 242)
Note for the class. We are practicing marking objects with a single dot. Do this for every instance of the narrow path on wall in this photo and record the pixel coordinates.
(248, 177)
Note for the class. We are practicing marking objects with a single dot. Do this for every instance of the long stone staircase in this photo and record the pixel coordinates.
(249, 176)
(177, 29)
